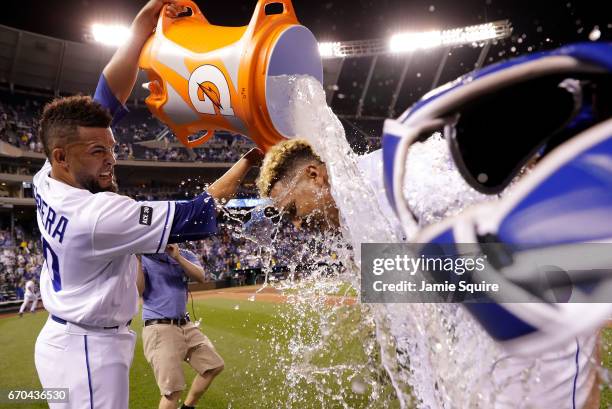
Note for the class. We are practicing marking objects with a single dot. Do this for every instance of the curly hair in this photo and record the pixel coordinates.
(281, 160)
(62, 116)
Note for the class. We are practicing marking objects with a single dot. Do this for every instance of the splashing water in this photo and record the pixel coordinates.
(419, 342)
(435, 355)
(324, 351)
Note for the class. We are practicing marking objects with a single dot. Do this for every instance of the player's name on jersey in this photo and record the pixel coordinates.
(55, 226)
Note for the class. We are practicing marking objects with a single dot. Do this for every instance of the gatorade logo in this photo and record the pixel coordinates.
(209, 91)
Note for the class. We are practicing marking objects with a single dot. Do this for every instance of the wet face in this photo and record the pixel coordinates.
(90, 161)
(306, 198)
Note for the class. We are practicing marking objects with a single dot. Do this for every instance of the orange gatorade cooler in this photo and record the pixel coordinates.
(205, 77)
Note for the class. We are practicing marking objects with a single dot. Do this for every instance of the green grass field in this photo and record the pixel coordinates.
(254, 339)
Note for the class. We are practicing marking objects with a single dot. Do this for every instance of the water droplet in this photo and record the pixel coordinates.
(595, 34)
(358, 386)
(236, 307)
(432, 8)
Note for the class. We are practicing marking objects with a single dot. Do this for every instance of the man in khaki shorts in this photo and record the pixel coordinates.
(169, 337)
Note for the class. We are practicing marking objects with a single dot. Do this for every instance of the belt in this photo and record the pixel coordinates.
(168, 321)
(64, 322)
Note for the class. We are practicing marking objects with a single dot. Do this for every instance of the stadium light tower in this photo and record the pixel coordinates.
(330, 49)
(111, 35)
(406, 42)
(409, 42)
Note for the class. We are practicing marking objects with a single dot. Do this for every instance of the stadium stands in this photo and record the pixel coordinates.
(18, 127)
(20, 260)
(235, 253)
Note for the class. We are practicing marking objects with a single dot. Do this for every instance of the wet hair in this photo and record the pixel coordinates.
(61, 118)
(281, 161)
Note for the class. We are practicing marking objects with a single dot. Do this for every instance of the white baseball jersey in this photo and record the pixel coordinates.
(30, 289)
(89, 276)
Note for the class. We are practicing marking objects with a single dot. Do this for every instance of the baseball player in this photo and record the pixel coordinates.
(31, 296)
(90, 233)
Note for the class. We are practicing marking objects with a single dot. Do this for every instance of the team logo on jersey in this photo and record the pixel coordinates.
(146, 215)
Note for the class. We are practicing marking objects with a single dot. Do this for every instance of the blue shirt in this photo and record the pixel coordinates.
(105, 97)
(165, 294)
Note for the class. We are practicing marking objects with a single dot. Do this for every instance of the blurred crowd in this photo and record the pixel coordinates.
(20, 260)
(139, 135)
(266, 245)
(244, 245)
(183, 191)
(18, 124)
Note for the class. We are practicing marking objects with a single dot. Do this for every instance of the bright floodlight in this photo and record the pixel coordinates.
(113, 35)
(328, 50)
(406, 42)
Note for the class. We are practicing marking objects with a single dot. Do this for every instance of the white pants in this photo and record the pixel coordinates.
(27, 299)
(94, 364)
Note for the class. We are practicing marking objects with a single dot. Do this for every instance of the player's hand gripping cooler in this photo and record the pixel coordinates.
(556, 106)
(205, 77)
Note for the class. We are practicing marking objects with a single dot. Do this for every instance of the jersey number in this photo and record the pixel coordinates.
(55, 276)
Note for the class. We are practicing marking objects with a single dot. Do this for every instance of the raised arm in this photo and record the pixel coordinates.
(192, 270)
(226, 186)
(122, 69)
(196, 218)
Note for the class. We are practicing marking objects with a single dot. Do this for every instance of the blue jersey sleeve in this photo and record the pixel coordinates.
(194, 219)
(105, 97)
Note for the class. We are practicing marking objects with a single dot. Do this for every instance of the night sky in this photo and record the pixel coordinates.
(558, 21)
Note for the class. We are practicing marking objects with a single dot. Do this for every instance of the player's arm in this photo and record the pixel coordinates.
(124, 226)
(196, 219)
(119, 76)
(226, 186)
(192, 268)
(122, 69)
(140, 280)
